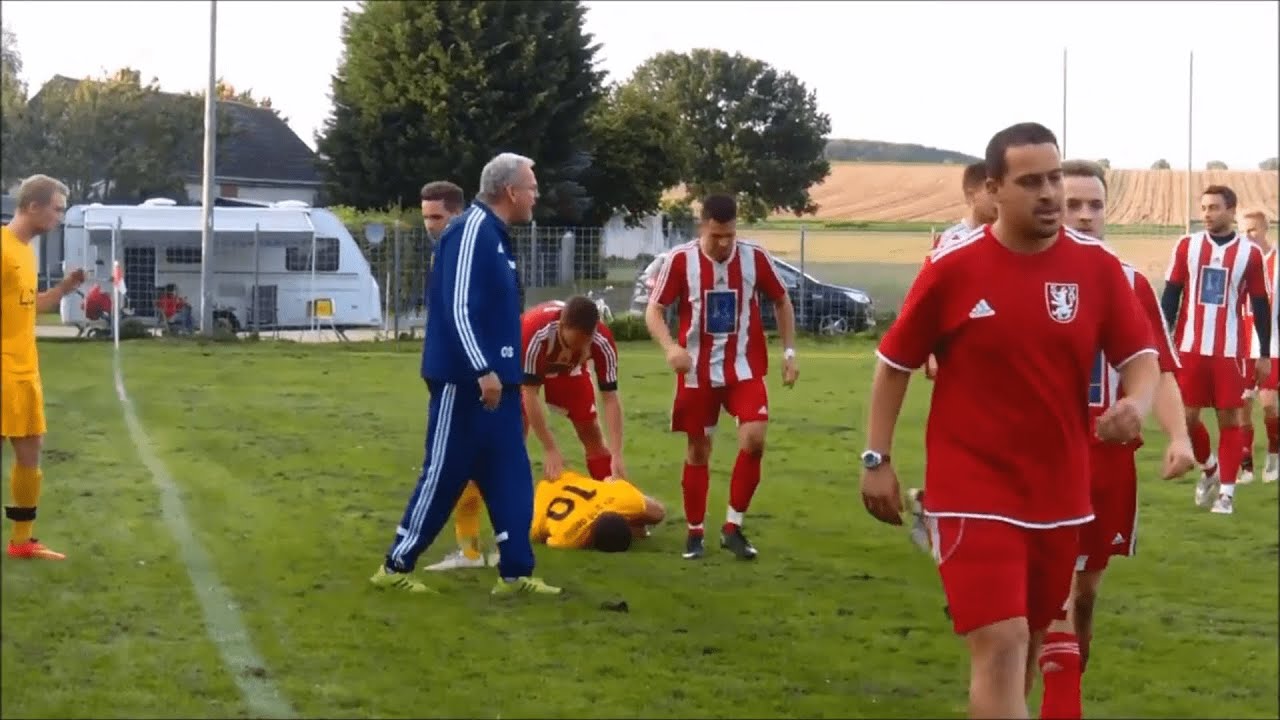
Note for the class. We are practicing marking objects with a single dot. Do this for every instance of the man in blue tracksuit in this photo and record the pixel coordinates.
(471, 363)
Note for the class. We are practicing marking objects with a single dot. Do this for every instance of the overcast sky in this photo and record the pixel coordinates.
(941, 74)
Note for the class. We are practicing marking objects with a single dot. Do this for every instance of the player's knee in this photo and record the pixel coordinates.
(26, 450)
(698, 451)
(751, 438)
(612, 533)
(1001, 647)
(589, 434)
(1086, 597)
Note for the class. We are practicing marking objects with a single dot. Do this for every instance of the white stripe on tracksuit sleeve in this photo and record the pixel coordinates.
(462, 290)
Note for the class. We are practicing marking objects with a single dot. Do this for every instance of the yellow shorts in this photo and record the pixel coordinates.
(21, 407)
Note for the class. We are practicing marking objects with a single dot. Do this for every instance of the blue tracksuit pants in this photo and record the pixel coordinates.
(466, 441)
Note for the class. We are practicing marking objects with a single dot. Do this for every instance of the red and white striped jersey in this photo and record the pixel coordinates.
(958, 230)
(1104, 379)
(1247, 328)
(546, 357)
(1216, 280)
(719, 312)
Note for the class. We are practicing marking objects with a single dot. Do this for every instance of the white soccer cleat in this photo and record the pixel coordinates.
(1207, 488)
(458, 560)
(1224, 505)
(919, 531)
(1271, 472)
(1245, 477)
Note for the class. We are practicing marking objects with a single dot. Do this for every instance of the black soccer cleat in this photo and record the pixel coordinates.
(693, 548)
(738, 544)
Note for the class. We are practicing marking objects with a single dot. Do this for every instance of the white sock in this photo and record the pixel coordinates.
(1273, 459)
(734, 517)
(1211, 464)
(1229, 490)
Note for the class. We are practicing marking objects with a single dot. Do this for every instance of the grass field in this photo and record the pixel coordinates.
(294, 463)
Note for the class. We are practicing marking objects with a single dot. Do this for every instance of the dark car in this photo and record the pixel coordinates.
(820, 307)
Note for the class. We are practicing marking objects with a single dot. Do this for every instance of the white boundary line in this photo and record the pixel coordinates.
(222, 619)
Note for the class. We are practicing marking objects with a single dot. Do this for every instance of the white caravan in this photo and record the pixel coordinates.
(288, 254)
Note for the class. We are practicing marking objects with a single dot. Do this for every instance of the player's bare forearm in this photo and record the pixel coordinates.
(888, 390)
(613, 422)
(1139, 377)
(538, 418)
(49, 300)
(655, 320)
(786, 314)
(1168, 408)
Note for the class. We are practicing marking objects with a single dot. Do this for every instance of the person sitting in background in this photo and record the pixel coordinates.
(97, 304)
(175, 309)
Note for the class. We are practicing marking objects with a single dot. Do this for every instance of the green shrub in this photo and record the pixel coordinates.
(626, 328)
(134, 330)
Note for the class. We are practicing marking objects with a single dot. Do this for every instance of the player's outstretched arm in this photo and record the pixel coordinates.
(613, 428)
(48, 300)
(553, 461)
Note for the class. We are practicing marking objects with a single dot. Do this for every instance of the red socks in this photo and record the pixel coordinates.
(1273, 434)
(695, 483)
(600, 466)
(1199, 441)
(1230, 450)
(1060, 668)
(742, 486)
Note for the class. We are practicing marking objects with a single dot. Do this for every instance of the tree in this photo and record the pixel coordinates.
(114, 139)
(1160, 164)
(1271, 164)
(635, 156)
(1215, 165)
(13, 103)
(1105, 163)
(433, 90)
(757, 131)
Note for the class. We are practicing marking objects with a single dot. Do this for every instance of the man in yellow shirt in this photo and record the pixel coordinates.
(577, 512)
(41, 204)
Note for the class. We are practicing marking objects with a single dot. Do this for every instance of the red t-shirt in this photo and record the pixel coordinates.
(97, 304)
(1016, 336)
(719, 310)
(545, 357)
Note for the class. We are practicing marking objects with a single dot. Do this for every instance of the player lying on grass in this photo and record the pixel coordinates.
(557, 340)
(1016, 315)
(579, 513)
(720, 359)
(1211, 275)
(1112, 466)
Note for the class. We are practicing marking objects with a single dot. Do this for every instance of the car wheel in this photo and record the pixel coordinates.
(833, 325)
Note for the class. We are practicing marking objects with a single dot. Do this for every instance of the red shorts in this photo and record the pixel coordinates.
(571, 395)
(1247, 376)
(697, 410)
(1115, 507)
(993, 570)
(1211, 382)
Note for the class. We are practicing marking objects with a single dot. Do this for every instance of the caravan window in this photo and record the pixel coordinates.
(298, 259)
(182, 255)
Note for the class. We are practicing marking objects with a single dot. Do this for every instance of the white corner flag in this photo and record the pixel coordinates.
(118, 289)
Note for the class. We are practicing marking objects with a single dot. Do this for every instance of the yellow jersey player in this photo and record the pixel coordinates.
(41, 204)
(577, 512)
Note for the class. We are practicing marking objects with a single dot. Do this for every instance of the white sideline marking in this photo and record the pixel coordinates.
(221, 618)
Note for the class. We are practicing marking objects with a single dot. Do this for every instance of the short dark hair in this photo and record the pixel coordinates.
(1027, 133)
(580, 313)
(445, 191)
(611, 533)
(1085, 169)
(719, 207)
(974, 175)
(1227, 194)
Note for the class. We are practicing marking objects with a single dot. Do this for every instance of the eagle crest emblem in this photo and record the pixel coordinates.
(1063, 301)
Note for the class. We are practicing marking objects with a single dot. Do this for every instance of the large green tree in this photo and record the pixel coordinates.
(432, 90)
(757, 131)
(13, 103)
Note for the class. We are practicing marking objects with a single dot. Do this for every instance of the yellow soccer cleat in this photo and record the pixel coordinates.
(399, 581)
(524, 586)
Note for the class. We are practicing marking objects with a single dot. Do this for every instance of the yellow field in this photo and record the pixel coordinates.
(1148, 253)
(901, 192)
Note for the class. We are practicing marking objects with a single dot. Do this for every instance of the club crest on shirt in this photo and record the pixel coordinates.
(1062, 300)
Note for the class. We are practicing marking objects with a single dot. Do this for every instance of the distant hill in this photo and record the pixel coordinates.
(844, 150)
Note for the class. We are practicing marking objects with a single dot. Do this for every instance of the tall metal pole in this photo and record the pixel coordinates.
(1191, 79)
(210, 133)
(1064, 102)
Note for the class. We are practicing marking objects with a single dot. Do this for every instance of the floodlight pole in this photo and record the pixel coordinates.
(210, 132)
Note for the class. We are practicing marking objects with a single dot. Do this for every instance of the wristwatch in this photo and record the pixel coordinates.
(872, 459)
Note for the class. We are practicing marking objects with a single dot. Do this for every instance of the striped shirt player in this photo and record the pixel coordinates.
(555, 359)
(954, 232)
(1250, 332)
(1216, 277)
(1113, 466)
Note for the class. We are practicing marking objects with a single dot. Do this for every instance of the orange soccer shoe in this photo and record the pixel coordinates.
(33, 550)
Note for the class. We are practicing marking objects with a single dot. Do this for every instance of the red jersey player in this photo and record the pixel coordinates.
(720, 359)
(1254, 226)
(1113, 466)
(1016, 316)
(1217, 268)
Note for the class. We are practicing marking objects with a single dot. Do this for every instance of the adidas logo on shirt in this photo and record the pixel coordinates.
(981, 310)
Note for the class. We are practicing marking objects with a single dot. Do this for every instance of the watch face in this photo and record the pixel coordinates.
(870, 459)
